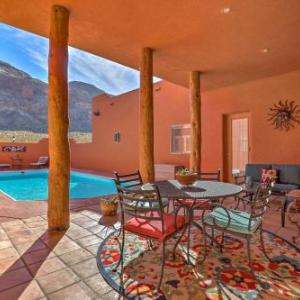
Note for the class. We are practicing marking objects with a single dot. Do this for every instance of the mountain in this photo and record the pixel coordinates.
(23, 102)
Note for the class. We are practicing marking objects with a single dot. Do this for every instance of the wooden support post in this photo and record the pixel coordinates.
(195, 111)
(58, 120)
(146, 131)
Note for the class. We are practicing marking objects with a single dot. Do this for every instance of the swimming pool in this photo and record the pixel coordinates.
(33, 185)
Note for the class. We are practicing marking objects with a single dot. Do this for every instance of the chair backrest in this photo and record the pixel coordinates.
(129, 180)
(145, 205)
(43, 159)
(259, 203)
(211, 176)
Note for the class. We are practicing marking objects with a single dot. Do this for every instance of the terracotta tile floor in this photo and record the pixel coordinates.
(35, 264)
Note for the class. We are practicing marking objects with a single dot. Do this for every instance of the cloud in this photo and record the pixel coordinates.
(32, 48)
(39, 56)
(109, 76)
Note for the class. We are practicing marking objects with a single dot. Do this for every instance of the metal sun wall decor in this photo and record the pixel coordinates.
(284, 115)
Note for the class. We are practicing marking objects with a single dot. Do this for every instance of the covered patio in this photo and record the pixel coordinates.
(35, 264)
(203, 46)
(209, 48)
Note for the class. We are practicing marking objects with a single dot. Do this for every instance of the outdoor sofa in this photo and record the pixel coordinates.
(288, 176)
(288, 179)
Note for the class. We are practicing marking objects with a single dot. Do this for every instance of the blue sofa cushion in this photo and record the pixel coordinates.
(281, 187)
(254, 170)
(278, 187)
(288, 173)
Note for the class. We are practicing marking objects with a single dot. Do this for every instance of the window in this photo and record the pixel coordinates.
(181, 139)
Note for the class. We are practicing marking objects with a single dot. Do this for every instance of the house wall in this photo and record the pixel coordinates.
(171, 107)
(32, 153)
(256, 97)
(35, 150)
(120, 114)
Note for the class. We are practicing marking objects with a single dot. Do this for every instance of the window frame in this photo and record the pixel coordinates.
(180, 126)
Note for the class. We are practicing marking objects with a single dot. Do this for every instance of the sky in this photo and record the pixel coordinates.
(29, 52)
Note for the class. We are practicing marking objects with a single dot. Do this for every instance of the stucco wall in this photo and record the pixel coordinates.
(33, 152)
(121, 114)
(267, 144)
(171, 107)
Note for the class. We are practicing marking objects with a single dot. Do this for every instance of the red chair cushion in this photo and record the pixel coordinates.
(200, 204)
(153, 228)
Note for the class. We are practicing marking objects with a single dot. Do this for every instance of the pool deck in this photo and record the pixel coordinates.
(37, 264)
(12, 210)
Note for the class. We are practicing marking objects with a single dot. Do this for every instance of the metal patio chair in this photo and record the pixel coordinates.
(205, 204)
(239, 223)
(130, 180)
(149, 221)
(211, 176)
(134, 180)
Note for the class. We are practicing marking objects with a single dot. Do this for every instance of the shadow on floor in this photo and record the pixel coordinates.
(19, 273)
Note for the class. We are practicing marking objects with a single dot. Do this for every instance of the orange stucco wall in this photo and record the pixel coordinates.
(267, 144)
(120, 114)
(35, 150)
(171, 107)
(32, 153)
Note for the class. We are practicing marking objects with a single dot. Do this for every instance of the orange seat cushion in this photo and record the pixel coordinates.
(153, 228)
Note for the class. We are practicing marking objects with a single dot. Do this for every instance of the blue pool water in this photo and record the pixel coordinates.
(33, 185)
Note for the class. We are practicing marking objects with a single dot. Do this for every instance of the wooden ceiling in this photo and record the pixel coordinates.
(186, 34)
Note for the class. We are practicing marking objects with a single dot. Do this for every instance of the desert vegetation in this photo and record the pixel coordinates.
(34, 137)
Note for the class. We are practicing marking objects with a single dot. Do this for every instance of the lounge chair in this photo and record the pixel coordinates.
(5, 166)
(42, 162)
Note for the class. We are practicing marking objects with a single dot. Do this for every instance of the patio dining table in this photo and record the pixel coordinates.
(199, 191)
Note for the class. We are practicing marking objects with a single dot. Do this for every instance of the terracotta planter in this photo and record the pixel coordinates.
(186, 179)
(108, 208)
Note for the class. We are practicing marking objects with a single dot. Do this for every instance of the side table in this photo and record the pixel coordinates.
(16, 162)
(293, 211)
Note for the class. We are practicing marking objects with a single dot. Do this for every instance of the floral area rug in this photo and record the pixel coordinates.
(223, 275)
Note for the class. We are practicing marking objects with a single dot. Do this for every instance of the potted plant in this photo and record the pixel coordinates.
(186, 176)
(109, 206)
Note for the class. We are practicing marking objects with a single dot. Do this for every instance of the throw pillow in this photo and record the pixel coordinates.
(269, 175)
